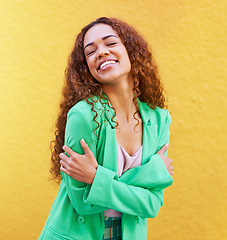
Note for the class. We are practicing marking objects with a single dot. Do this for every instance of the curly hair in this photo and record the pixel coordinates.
(80, 84)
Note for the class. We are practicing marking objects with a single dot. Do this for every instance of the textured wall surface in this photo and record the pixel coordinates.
(188, 39)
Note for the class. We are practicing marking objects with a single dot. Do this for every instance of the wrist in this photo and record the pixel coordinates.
(93, 175)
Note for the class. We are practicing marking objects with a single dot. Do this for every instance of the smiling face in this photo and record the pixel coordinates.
(106, 55)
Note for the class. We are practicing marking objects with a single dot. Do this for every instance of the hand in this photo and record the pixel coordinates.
(167, 161)
(80, 167)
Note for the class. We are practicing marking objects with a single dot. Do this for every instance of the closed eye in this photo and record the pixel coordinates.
(89, 53)
(111, 44)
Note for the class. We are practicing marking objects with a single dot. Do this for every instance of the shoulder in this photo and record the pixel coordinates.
(163, 115)
(83, 114)
(79, 121)
(157, 115)
(82, 107)
(85, 109)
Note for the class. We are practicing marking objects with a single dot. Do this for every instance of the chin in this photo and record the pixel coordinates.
(112, 78)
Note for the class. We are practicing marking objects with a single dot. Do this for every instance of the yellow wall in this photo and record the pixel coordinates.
(189, 43)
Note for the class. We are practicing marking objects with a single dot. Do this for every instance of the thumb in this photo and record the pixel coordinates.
(84, 146)
(163, 149)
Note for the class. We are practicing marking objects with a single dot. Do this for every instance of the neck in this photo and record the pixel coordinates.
(121, 98)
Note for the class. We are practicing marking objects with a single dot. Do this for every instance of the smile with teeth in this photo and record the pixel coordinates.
(106, 63)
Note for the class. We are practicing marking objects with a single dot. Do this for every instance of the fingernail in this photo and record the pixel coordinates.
(82, 140)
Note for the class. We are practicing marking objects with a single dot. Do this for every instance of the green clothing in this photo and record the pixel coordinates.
(78, 210)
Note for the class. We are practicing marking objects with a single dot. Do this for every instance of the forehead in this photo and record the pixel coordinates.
(97, 32)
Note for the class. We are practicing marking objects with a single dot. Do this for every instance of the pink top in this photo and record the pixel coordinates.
(125, 162)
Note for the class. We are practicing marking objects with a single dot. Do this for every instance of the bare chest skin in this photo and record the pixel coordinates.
(128, 135)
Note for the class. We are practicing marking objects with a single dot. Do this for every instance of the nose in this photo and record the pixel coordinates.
(103, 52)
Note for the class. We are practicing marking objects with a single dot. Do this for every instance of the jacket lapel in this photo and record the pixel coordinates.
(149, 131)
(149, 142)
(110, 155)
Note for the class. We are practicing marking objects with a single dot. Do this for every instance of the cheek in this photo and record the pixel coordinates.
(126, 58)
(90, 65)
(92, 69)
(129, 64)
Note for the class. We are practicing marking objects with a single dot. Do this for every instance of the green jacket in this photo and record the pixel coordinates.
(78, 210)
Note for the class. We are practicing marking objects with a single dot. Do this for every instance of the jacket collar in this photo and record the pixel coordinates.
(149, 133)
(145, 111)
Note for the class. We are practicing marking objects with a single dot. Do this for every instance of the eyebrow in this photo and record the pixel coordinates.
(92, 43)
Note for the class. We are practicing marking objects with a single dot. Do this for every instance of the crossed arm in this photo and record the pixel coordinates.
(131, 194)
(92, 188)
(83, 167)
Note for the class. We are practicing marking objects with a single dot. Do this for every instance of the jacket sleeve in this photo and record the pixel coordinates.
(152, 175)
(139, 191)
(115, 194)
(164, 133)
(78, 126)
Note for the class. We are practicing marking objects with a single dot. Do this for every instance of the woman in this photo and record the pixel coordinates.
(115, 138)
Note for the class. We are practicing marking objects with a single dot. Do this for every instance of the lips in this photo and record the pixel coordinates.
(106, 63)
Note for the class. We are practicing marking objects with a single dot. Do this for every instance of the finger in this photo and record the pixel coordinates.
(84, 146)
(64, 164)
(63, 169)
(63, 157)
(163, 149)
(171, 173)
(170, 167)
(68, 150)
